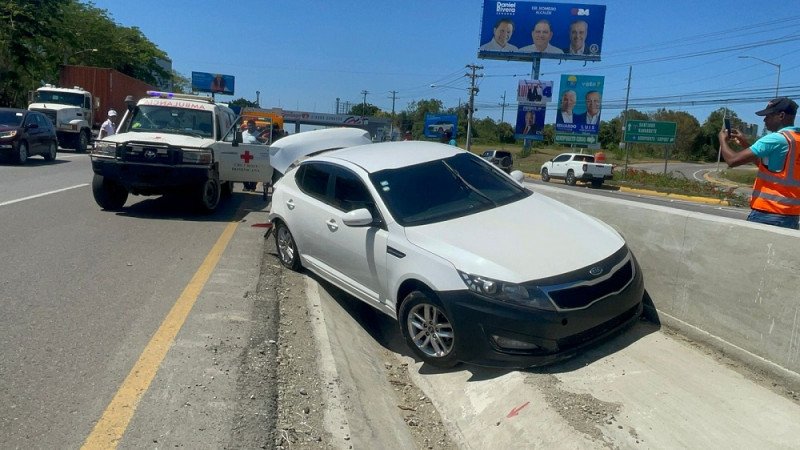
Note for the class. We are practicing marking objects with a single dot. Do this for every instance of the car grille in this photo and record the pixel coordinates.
(148, 153)
(51, 114)
(581, 296)
(580, 288)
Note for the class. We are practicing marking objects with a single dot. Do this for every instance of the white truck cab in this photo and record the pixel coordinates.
(176, 143)
(70, 110)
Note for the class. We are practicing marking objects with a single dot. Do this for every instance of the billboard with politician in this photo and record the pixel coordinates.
(215, 83)
(580, 103)
(522, 31)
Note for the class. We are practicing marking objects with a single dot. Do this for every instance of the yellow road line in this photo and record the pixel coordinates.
(115, 419)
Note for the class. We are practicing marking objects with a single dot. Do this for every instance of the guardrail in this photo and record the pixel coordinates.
(727, 282)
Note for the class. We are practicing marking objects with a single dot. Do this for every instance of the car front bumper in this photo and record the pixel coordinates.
(150, 178)
(483, 326)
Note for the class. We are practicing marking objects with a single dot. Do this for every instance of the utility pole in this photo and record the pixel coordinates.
(364, 105)
(258, 99)
(625, 121)
(472, 91)
(391, 124)
(503, 110)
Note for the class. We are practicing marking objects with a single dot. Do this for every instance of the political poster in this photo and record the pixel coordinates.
(580, 104)
(530, 122)
(534, 91)
(215, 83)
(522, 31)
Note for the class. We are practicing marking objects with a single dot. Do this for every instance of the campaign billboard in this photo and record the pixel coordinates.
(534, 91)
(580, 104)
(530, 122)
(522, 31)
(438, 125)
(216, 83)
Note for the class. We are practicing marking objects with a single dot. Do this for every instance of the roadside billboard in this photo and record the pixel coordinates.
(530, 122)
(579, 104)
(216, 83)
(534, 91)
(522, 31)
(437, 125)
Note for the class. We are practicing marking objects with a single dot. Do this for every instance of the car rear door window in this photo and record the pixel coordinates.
(313, 180)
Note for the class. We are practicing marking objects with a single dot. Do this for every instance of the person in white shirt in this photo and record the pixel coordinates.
(502, 34)
(108, 128)
(592, 114)
(541, 35)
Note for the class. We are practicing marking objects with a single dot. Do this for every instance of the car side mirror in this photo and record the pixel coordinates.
(358, 218)
(518, 176)
(32, 126)
(237, 138)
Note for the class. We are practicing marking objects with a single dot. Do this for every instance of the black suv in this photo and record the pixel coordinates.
(500, 158)
(25, 133)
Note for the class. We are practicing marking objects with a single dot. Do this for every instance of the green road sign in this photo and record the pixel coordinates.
(570, 138)
(650, 132)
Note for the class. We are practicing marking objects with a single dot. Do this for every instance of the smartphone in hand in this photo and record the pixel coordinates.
(727, 125)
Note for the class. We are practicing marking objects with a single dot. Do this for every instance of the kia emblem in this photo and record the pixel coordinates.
(595, 271)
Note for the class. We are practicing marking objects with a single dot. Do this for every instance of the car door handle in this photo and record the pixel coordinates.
(290, 204)
(332, 225)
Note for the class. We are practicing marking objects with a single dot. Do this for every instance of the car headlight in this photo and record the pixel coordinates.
(197, 157)
(529, 296)
(104, 148)
(8, 134)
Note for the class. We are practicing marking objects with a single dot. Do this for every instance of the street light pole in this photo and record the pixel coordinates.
(66, 56)
(778, 84)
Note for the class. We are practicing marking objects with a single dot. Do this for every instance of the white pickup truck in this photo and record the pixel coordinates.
(574, 167)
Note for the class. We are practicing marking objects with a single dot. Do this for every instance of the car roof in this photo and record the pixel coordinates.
(16, 110)
(392, 155)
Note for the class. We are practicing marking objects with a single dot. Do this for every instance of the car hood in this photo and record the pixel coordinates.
(52, 106)
(534, 238)
(8, 127)
(285, 151)
(178, 140)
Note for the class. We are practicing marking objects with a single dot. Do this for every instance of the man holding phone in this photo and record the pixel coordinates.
(776, 191)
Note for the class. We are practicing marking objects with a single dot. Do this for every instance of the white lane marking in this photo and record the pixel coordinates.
(42, 194)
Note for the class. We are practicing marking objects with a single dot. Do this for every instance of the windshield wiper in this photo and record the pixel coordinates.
(472, 188)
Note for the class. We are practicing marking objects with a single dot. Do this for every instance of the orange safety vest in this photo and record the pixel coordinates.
(779, 192)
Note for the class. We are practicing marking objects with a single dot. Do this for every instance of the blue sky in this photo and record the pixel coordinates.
(304, 54)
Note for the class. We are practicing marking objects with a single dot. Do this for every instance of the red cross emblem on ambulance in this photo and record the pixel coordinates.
(246, 156)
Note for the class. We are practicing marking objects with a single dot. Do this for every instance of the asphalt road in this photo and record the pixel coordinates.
(89, 296)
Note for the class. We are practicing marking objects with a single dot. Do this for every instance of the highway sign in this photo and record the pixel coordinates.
(650, 132)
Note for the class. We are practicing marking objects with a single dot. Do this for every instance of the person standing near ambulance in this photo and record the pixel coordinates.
(108, 128)
(776, 191)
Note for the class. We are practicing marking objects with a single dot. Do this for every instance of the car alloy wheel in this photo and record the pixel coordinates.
(570, 179)
(22, 153)
(287, 249)
(51, 152)
(545, 175)
(427, 329)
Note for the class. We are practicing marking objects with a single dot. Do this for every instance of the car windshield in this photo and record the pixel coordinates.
(444, 189)
(10, 118)
(61, 98)
(149, 118)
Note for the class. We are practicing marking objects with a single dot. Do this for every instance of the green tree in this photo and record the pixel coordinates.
(687, 130)
(367, 110)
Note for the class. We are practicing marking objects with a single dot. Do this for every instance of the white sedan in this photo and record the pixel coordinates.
(474, 266)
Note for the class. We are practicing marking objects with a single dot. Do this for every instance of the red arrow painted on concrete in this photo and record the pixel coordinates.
(516, 410)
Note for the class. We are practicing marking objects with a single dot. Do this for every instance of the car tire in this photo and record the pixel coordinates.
(506, 163)
(208, 195)
(82, 142)
(21, 154)
(427, 329)
(52, 150)
(570, 178)
(287, 249)
(545, 175)
(109, 194)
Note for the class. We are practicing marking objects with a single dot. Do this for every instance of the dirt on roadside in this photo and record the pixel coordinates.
(302, 391)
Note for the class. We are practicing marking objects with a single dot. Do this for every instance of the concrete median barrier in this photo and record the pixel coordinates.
(727, 282)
